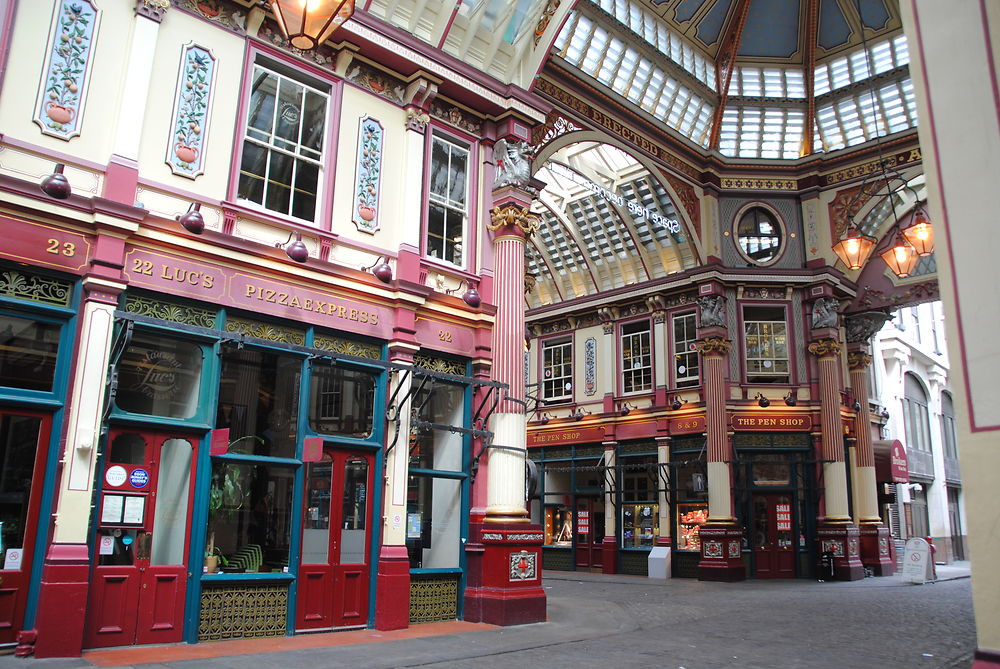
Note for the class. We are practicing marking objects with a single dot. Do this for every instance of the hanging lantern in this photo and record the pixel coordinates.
(901, 257)
(920, 233)
(854, 247)
(308, 23)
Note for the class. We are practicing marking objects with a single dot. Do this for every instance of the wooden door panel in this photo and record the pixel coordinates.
(352, 595)
(11, 608)
(315, 606)
(161, 605)
(113, 608)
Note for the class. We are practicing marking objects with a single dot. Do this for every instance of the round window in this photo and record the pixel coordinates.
(759, 235)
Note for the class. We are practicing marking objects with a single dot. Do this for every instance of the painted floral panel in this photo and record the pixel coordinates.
(191, 107)
(59, 109)
(369, 175)
(590, 366)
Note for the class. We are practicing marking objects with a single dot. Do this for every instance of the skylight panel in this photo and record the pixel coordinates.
(859, 66)
(901, 50)
(611, 61)
(821, 80)
(595, 52)
(652, 91)
(795, 86)
(774, 85)
(750, 81)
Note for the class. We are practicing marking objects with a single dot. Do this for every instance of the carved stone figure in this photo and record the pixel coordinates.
(713, 311)
(513, 163)
(825, 313)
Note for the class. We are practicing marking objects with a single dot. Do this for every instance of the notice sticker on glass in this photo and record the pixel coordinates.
(107, 546)
(135, 509)
(111, 512)
(413, 526)
(12, 558)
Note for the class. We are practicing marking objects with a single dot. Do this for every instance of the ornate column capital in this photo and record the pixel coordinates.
(858, 360)
(824, 348)
(152, 9)
(657, 307)
(513, 221)
(713, 346)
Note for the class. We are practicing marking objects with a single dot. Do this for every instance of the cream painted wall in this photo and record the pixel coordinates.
(176, 30)
(954, 71)
(32, 25)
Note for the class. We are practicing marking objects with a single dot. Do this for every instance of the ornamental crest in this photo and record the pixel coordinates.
(523, 566)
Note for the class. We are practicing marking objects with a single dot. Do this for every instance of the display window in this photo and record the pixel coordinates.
(28, 354)
(160, 376)
(559, 526)
(342, 402)
(640, 525)
(690, 518)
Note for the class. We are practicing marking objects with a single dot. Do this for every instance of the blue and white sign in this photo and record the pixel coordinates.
(139, 478)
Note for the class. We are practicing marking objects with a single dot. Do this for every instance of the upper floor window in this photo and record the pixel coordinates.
(685, 356)
(283, 143)
(557, 370)
(948, 434)
(447, 207)
(766, 342)
(916, 415)
(637, 359)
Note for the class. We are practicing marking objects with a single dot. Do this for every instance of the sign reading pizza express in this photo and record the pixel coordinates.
(772, 422)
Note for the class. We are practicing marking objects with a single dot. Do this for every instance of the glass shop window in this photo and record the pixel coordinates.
(259, 402)
(18, 446)
(249, 516)
(770, 470)
(435, 448)
(160, 376)
(342, 402)
(766, 344)
(28, 352)
(282, 162)
(559, 525)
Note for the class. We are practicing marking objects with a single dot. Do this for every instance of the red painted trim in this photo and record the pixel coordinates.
(932, 125)
(447, 28)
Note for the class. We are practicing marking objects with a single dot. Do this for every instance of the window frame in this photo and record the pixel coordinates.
(544, 382)
(468, 231)
(312, 79)
(916, 416)
(764, 377)
(649, 367)
(688, 380)
(780, 232)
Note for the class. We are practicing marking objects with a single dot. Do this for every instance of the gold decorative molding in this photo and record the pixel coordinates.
(747, 183)
(511, 216)
(858, 360)
(713, 346)
(824, 348)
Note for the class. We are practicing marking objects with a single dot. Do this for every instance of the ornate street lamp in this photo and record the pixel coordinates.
(854, 247)
(920, 233)
(901, 257)
(308, 23)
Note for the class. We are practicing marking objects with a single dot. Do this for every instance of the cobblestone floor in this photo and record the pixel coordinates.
(623, 621)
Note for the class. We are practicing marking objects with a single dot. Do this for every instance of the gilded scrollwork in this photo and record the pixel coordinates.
(713, 346)
(858, 360)
(511, 216)
(825, 347)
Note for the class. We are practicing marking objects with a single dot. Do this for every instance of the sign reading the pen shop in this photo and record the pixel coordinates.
(567, 436)
(772, 422)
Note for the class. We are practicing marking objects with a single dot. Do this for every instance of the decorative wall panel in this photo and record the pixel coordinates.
(433, 597)
(243, 611)
(192, 103)
(369, 176)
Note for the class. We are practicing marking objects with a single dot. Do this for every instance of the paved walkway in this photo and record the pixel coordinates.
(626, 621)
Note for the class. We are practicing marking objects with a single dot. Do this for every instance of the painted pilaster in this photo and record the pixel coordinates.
(392, 593)
(609, 547)
(123, 167)
(837, 534)
(662, 460)
(62, 602)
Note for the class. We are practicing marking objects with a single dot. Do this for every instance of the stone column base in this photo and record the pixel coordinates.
(876, 554)
(721, 552)
(609, 556)
(844, 541)
(392, 589)
(508, 585)
(62, 603)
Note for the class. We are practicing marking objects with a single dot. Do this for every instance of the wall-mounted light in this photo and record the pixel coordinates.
(308, 23)
(544, 418)
(56, 184)
(192, 220)
(791, 399)
(885, 414)
(471, 296)
(762, 401)
(677, 403)
(297, 250)
(625, 408)
(579, 414)
(381, 269)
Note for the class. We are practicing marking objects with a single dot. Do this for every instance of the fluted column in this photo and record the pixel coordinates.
(827, 352)
(866, 501)
(505, 490)
(713, 363)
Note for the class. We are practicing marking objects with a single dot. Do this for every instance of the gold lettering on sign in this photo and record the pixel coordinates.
(444, 335)
(286, 299)
(54, 247)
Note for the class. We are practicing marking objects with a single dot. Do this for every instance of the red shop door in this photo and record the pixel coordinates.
(336, 533)
(773, 544)
(24, 439)
(138, 585)
(589, 532)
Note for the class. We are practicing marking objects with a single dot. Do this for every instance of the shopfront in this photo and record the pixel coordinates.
(775, 500)
(37, 322)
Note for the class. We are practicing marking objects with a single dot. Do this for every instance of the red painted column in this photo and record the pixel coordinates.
(875, 537)
(721, 536)
(506, 588)
(836, 533)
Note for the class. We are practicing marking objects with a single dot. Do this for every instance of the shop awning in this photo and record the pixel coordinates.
(890, 461)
